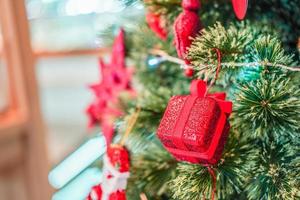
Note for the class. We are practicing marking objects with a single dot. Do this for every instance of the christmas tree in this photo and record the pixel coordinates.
(212, 44)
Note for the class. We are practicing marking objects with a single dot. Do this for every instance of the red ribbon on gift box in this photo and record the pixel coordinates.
(199, 89)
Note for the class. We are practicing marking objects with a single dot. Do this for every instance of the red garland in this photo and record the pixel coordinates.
(195, 127)
(186, 25)
(156, 25)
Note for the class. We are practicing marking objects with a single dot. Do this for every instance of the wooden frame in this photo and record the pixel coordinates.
(23, 164)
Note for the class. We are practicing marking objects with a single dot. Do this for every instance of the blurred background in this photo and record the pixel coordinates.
(66, 40)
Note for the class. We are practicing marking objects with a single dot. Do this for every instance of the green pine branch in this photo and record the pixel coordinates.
(193, 181)
(152, 170)
(168, 9)
(275, 175)
(268, 108)
(239, 43)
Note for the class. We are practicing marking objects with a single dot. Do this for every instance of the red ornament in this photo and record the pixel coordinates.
(186, 25)
(103, 89)
(115, 76)
(156, 24)
(118, 51)
(195, 127)
(240, 8)
(189, 72)
(120, 77)
(115, 174)
(104, 114)
(119, 157)
(96, 194)
(115, 79)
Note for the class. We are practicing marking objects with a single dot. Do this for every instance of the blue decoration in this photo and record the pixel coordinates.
(154, 61)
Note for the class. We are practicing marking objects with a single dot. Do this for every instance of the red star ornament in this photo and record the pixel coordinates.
(115, 76)
(100, 112)
(120, 76)
(118, 51)
(103, 89)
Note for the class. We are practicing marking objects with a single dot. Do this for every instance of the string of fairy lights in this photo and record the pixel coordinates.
(160, 56)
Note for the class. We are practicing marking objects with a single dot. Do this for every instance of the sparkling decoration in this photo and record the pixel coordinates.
(154, 61)
(195, 127)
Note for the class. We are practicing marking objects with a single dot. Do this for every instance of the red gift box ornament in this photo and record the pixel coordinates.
(115, 174)
(195, 127)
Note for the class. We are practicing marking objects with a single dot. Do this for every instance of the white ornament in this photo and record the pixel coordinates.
(112, 179)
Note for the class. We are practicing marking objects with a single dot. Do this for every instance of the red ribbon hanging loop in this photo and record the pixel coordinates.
(214, 182)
